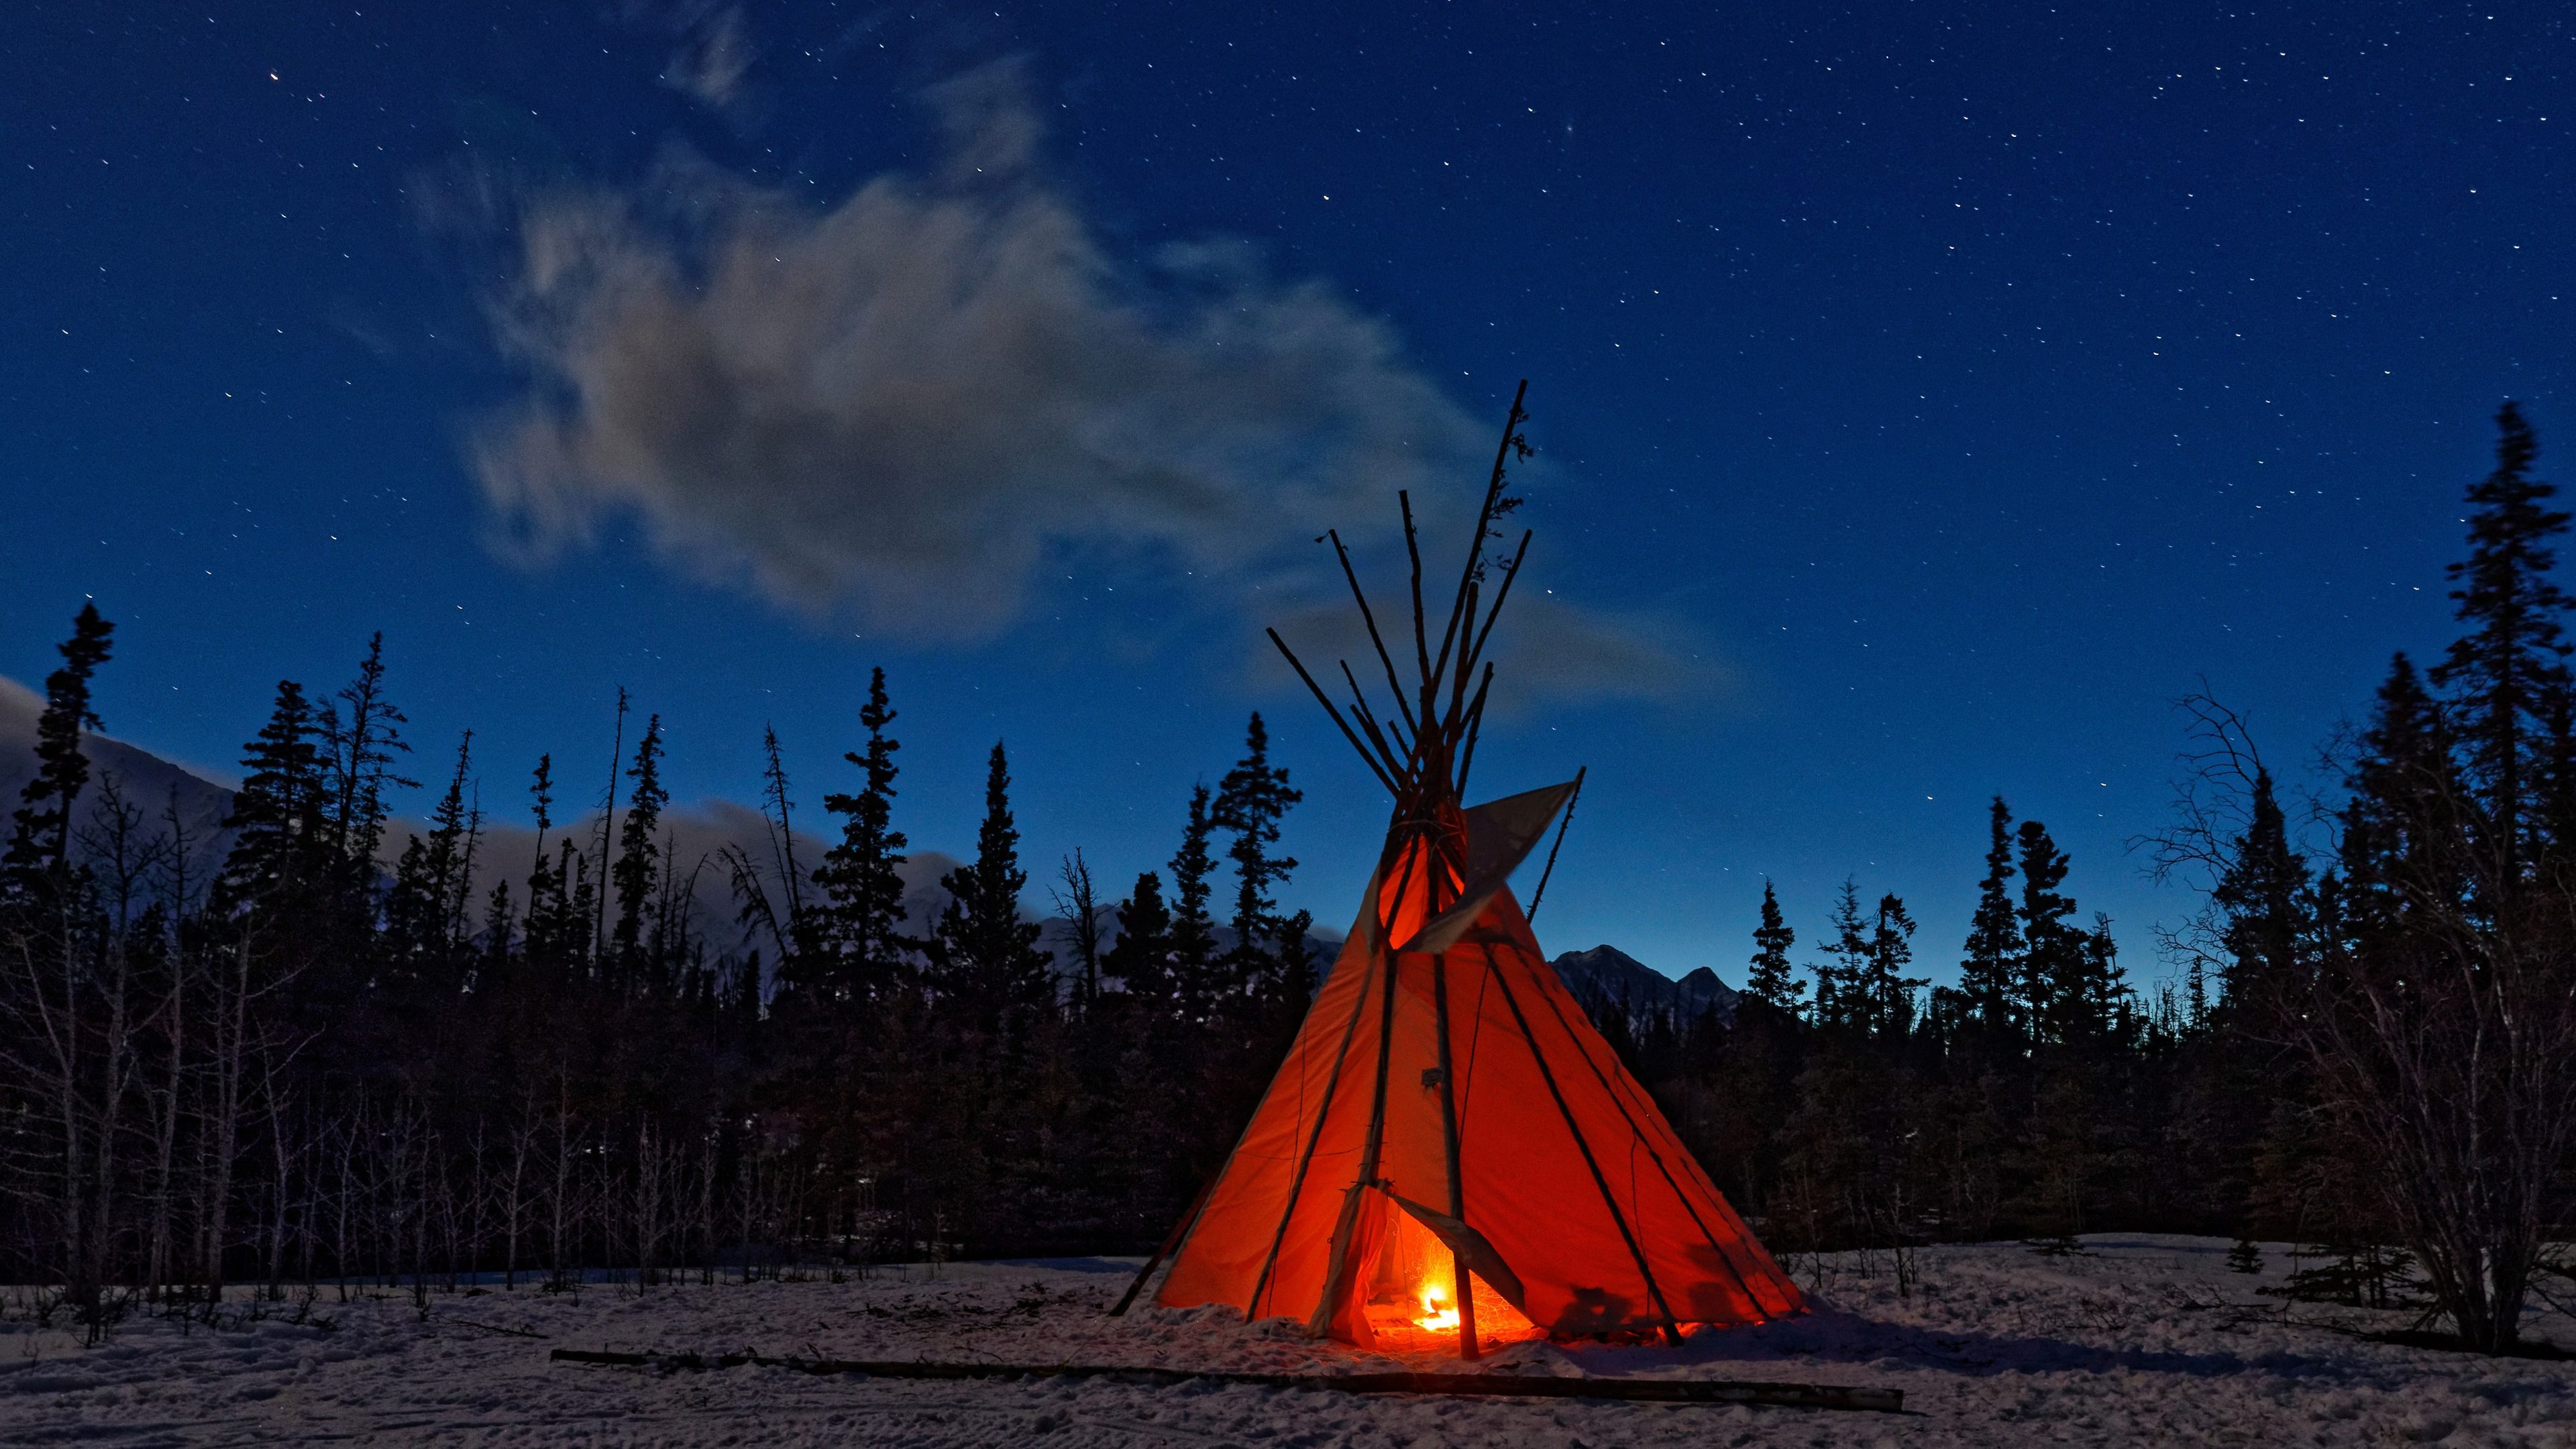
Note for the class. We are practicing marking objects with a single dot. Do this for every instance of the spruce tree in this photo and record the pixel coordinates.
(639, 855)
(984, 957)
(854, 945)
(425, 910)
(2050, 948)
(41, 837)
(1887, 993)
(2401, 825)
(1773, 981)
(2436, 1008)
(1989, 969)
(452, 827)
(411, 915)
(1842, 993)
(2258, 901)
(498, 923)
(2503, 671)
(580, 893)
(2102, 1007)
(279, 857)
(547, 934)
(1193, 935)
(362, 752)
(1140, 960)
(1250, 802)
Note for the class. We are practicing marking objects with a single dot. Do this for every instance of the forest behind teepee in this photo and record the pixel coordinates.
(281, 1048)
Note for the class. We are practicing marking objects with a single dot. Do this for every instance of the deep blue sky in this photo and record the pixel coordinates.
(1937, 391)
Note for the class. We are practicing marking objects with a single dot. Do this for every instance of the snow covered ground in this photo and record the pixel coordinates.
(2138, 1340)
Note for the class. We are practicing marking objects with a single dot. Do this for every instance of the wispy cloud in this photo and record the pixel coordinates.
(714, 57)
(1545, 649)
(909, 407)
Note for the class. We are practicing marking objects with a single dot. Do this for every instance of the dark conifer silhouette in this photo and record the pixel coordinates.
(41, 834)
(1990, 970)
(1842, 977)
(362, 750)
(1772, 980)
(1140, 960)
(2051, 954)
(854, 947)
(1193, 953)
(1250, 801)
(278, 823)
(639, 868)
(2505, 670)
(984, 956)
(1886, 992)
(2261, 898)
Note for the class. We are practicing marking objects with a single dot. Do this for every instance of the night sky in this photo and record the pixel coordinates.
(1924, 400)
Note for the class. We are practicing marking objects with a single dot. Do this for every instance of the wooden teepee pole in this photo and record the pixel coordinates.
(1467, 1348)
(1171, 1240)
(1562, 825)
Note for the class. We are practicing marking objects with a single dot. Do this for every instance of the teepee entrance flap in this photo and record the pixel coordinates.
(1475, 1253)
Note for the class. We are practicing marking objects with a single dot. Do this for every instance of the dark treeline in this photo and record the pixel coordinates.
(2370, 1049)
(289, 1063)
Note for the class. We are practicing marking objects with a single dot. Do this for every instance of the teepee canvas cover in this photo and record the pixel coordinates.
(1448, 1119)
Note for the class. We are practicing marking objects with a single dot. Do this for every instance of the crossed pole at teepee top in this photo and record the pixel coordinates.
(1422, 753)
(1424, 749)
(1421, 749)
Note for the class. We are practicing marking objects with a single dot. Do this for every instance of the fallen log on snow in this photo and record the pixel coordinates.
(1520, 1386)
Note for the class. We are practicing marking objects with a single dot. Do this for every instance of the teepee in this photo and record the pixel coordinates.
(1451, 1154)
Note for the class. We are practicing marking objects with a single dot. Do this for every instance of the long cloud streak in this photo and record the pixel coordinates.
(904, 407)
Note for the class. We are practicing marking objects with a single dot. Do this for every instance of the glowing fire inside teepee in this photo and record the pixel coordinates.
(1438, 1312)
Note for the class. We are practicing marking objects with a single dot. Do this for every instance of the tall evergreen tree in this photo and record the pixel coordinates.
(1250, 802)
(2051, 949)
(1989, 970)
(361, 753)
(984, 958)
(1841, 989)
(1772, 980)
(2258, 900)
(2103, 1007)
(1140, 960)
(1193, 934)
(2401, 825)
(549, 932)
(854, 945)
(42, 834)
(280, 855)
(498, 935)
(2435, 1011)
(2504, 670)
(1886, 992)
(426, 910)
(639, 856)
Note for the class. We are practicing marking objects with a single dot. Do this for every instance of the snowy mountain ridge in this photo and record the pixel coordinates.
(1604, 978)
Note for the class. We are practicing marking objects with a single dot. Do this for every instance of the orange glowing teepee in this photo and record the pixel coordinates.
(1448, 1117)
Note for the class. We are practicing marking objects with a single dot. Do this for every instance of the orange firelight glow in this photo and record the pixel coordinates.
(1438, 1313)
